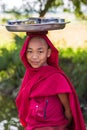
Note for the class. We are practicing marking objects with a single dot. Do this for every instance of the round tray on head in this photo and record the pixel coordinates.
(36, 24)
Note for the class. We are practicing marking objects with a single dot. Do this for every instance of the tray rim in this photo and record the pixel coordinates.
(41, 24)
(35, 27)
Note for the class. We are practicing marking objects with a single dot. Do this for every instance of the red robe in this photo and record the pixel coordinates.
(46, 81)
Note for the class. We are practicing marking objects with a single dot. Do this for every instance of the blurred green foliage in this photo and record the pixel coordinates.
(11, 69)
(45, 6)
(8, 113)
(74, 63)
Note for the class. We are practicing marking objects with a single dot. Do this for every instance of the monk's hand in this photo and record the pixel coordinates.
(64, 98)
(68, 115)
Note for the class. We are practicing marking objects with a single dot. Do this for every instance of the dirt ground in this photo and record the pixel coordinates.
(73, 34)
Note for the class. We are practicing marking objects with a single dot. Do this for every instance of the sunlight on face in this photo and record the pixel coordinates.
(37, 52)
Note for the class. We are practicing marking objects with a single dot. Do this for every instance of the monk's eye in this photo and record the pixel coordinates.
(40, 51)
(29, 51)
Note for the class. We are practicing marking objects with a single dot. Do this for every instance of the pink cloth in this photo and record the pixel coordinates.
(46, 81)
(54, 115)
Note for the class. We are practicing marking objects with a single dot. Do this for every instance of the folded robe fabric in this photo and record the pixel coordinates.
(46, 81)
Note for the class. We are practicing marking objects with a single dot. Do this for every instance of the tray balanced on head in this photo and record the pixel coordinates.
(36, 24)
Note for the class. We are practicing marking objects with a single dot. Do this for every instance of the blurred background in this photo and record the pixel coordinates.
(71, 43)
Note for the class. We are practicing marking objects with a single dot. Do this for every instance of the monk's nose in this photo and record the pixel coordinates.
(35, 56)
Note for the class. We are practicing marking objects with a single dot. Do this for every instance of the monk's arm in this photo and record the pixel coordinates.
(65, 102)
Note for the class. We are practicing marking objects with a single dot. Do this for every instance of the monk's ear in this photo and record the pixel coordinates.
(49, 52)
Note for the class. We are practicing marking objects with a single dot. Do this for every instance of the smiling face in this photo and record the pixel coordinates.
(37, 52)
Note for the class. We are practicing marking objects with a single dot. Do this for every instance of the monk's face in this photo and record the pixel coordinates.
(37, 52)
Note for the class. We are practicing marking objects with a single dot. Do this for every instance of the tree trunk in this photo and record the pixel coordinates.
(47, 6)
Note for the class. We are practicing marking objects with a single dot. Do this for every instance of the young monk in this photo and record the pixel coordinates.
(47, 100)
